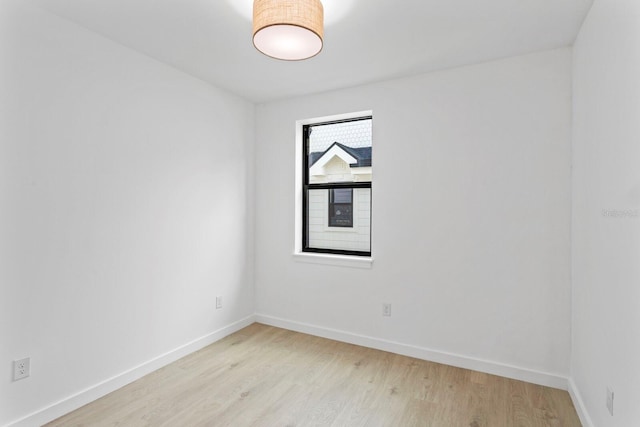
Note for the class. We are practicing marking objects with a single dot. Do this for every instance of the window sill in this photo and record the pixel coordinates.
(336, 260)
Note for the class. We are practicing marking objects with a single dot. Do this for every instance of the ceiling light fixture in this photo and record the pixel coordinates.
(291, 30)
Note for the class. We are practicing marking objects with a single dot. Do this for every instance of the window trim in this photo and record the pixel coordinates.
(323, 256)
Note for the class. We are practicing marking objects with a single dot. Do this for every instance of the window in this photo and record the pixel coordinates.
(341, 207)
(336, 186)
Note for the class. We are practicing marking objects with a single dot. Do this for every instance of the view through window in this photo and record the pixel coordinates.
(337, 187)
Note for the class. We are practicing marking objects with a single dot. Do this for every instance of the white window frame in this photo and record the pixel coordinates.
(321, 258)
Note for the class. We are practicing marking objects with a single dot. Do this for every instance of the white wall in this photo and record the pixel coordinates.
(471, 229)
(606, 213)
(126, 191)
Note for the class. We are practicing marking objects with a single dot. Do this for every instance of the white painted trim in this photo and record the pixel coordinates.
(335, 151)
(581, 408)
(362, 170)
(297, 222)
(94, 392)
(466, 362)
(336, 260)
(335, 117)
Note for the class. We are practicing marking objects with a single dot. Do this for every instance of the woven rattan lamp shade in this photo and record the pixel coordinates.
(288, 29)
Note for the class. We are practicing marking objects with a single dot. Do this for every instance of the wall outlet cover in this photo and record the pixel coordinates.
(386, 310)
(21, 368)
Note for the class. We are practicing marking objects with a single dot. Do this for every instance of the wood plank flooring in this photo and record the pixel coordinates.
(266, 376)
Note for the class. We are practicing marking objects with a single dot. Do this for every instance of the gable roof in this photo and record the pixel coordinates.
(361, 154)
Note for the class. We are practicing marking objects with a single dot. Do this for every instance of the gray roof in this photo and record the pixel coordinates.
(362, 154)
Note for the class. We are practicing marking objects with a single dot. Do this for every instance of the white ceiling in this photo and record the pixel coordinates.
(365, 40)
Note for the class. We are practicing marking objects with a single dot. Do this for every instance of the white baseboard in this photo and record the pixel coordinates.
(581, 409)
(487, 366)
(92, 393)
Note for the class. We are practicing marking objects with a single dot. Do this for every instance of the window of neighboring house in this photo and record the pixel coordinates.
(336, 187)
(341, 207)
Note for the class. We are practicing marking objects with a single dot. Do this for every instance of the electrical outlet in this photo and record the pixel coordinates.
(386, 310)
(21, 368)
(610, 401)
(218, 303)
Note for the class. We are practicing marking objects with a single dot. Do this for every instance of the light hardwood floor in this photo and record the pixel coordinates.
(266, 376)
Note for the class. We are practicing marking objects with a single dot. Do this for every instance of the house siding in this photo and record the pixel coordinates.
(356, 238)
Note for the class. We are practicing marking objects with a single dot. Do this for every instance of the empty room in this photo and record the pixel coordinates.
(320, 213)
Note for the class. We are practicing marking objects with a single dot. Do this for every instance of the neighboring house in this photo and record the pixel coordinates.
(340, 163)
(340, 218)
